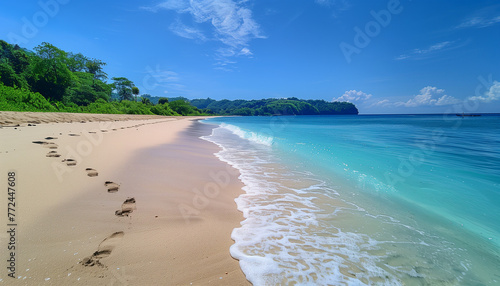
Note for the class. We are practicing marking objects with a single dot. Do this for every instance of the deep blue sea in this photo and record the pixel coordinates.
(367, 199)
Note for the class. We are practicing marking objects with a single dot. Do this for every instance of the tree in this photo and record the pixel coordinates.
(184, 108)
(162, 100)
(135, 91)
(146, 101)
(94, 67)
(123, 87)
(202, 103)
(76, 62)
(84, 92)
(51, 75)
(9, 77)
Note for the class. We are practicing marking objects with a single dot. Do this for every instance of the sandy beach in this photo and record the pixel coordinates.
(116, 200)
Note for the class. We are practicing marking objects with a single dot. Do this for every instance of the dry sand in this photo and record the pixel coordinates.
(164, 217)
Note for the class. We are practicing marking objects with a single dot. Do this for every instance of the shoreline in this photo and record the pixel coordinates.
(176, 229)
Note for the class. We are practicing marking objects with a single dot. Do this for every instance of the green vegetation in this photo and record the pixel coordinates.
(289, 106)
(49, 79)
(15, 99)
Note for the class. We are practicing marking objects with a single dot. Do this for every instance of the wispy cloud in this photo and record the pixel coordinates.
(481, 18)
(169, 5)
(184, 31)
(353, 96)
(429, 96)
(479, 22)
(338, 5)
(422, 52)
(383, 102)
(492, 94)
(231, 23)
(245, 52)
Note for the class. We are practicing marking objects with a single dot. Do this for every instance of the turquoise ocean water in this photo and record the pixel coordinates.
(368, 199)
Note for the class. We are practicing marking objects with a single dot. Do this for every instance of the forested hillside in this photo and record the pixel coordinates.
(273, 106)
(52, 80)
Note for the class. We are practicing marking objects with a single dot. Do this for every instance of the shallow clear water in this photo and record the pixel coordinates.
(385, 199)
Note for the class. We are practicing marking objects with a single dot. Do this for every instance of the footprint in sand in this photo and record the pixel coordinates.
(104, 250)
(91, 172)
(70, 162)
(49, 145)
(112, 187)
(128, 207)
(53, 154)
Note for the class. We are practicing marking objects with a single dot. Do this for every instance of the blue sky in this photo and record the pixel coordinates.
(385, 56)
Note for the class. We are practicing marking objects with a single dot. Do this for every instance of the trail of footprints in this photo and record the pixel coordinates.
(108, 244)
(128, 206)
(50, 145)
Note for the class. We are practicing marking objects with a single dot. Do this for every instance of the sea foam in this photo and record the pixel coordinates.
(319, 209)
(282, 241)
(249, 135)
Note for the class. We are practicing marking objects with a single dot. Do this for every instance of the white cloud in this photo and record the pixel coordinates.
(230, 21)
(430, 49)
(384, 102)
(340, 5)
(187, 32)
(429, 95)
(353, 95)
(479, 22)
(245, 52)
(492, 94)
(169, 5)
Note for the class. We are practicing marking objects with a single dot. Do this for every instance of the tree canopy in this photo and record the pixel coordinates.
(274, 106)
(50, 79)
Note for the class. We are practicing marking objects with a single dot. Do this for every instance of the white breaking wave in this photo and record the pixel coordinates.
(282, 241)
(259, 138)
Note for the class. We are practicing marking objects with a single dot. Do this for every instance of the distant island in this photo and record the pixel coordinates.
(49, 79)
